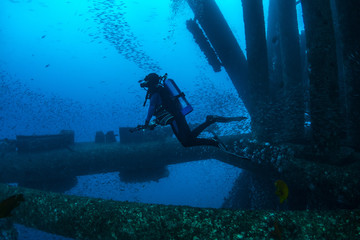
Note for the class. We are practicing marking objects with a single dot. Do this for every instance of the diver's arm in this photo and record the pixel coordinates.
(154, 101)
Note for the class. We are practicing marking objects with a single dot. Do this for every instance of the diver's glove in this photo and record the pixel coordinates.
(143, 127)
(149, 126)
(146, 126)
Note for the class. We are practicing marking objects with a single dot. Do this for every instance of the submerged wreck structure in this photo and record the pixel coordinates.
(285, 81)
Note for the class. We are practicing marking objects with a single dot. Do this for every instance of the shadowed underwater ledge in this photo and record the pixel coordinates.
(90, 218)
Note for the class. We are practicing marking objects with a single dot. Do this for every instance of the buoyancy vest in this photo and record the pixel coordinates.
(173, 102)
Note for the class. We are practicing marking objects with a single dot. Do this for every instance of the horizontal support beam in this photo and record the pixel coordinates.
(60, 165)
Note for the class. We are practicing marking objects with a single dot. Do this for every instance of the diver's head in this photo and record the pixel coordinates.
(150, 81)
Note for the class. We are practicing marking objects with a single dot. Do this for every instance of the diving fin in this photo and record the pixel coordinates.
(215, 118)
(224, 148)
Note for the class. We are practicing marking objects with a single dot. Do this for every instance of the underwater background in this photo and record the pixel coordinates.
(75, 65)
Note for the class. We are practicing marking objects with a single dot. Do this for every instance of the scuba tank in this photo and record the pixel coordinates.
(177, 95)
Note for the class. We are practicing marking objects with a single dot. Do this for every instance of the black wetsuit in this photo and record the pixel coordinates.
(161, 99)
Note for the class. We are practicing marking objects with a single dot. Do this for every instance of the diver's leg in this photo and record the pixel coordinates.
(205, 142)
(199, 129)
(210, 119)
(181, 130)
(183, 133)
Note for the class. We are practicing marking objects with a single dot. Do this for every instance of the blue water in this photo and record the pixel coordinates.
(76, 65)
(198, 184)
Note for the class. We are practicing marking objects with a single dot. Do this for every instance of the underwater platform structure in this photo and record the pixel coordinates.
(90, 218)
(44, 166)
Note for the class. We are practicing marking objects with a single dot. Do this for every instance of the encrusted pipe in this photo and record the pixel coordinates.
(90, 218)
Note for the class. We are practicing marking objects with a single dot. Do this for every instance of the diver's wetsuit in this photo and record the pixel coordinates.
(179, 125)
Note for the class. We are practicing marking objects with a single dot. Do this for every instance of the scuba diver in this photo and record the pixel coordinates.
(169, 106)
